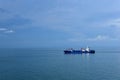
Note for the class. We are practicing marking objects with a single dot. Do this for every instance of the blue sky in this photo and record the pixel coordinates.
(59, 23)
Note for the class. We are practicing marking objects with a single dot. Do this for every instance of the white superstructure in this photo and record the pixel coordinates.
(87, 49)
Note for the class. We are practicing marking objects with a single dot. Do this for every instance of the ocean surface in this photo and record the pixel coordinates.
(53, 64)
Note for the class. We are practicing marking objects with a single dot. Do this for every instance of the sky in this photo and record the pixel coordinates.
(59, 23)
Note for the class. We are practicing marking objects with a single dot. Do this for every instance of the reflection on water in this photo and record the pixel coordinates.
(47, 64)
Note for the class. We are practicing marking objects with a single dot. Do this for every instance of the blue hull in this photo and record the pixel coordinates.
(78, 51)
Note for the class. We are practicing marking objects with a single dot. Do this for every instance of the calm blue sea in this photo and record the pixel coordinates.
(53, 64)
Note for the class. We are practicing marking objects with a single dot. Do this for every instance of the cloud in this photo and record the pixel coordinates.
(14, 21)
(5, 30)
(2, 10)
(101, 38)
(114, 22)
(97, 38)
(11, 19)
(9, 31)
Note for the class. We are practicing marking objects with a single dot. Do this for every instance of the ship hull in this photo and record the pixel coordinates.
(78, 51)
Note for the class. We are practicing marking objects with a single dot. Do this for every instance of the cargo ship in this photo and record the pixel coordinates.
(79, 51)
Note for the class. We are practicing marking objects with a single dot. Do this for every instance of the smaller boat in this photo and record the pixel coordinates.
(79, 51)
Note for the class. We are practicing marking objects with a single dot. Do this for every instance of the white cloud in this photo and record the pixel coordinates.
(101, 38)
(9, 31)
(97, 38)
(5, 30)
(114, 22)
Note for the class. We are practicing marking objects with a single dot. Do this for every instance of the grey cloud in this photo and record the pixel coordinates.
(2, 10)
(8, 19)
(14, 21)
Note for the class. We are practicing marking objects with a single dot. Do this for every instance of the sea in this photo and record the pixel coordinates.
(53, 64)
